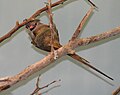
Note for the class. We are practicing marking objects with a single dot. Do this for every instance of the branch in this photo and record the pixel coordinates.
(8, 82)
(9, 34)
(50, 15)
(37, 89)
(116, 92)
(78, 30)
(37, 86)
(52, 27)
(99, 37)
(37, 13)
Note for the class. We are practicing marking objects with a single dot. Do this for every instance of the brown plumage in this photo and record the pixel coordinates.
(41, 38)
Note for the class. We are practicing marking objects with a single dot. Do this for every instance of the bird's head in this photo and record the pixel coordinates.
(32, 24)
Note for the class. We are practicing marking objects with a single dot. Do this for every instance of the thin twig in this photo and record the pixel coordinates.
(50, 15)
(11, 32)
(116, 92)
(85, 18)
(37, 13)
(37, 86)
(30, 70)
(37, 89)
(52, 27)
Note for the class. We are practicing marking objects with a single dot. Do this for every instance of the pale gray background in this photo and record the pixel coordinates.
(17, 52)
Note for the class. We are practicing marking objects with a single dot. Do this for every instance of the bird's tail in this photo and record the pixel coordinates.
(85, 62)
(92, 4)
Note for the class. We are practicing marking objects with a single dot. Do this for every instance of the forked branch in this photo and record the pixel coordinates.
(116, 92)
(37, 13)
(37, 89)
(8, 82)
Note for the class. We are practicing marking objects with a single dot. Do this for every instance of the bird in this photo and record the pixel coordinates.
(40, 35)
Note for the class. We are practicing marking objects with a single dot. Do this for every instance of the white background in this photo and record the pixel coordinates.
(16, 53)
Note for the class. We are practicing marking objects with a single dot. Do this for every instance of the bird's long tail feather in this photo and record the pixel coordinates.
(85, 62)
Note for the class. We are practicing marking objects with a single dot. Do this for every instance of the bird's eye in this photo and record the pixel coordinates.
(27, 26)
(35, 24)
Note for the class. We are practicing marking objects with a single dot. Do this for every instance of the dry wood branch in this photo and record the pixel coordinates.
(8, 82)
(116, 92)
(37, 13)
(37, 86)
(50, 15)
(52, 27)
(19, 25)
(99, 37)
(9, 34)
(37, 89)
(78, 30)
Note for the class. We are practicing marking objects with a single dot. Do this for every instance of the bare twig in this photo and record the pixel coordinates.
(9, 34)
(37, 89)
(8, 82)
(30, 70)
(78, 30)
(50, 15)
(37, 13)
(37, 86)
(99, 37)
(116, 92)
(52, 27)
